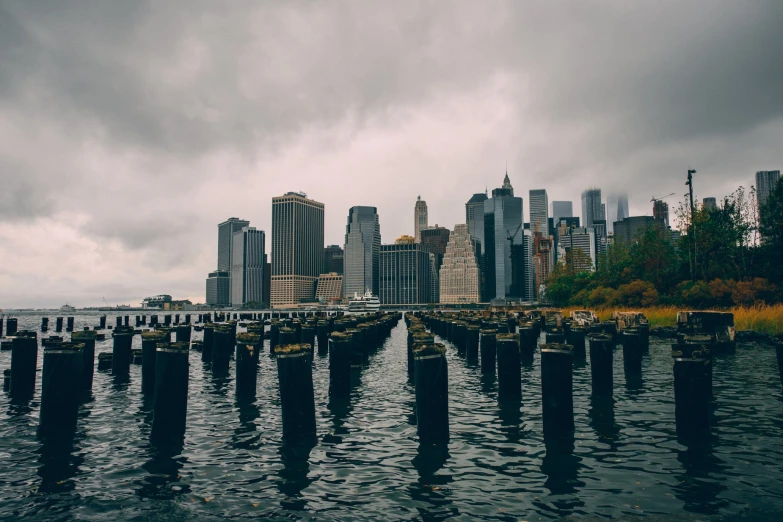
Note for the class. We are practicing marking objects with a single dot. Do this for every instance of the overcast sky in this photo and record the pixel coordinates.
(129, 129)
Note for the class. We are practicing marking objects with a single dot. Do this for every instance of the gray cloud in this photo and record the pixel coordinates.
(147, 123)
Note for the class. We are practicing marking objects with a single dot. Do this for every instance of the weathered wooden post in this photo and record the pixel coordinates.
(295, 377)
(557, 389)
(432, 392)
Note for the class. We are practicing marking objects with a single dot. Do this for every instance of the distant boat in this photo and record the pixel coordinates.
(67, 309)
(364, 303)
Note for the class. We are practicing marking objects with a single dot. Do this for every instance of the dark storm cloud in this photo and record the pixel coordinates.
(145, 123)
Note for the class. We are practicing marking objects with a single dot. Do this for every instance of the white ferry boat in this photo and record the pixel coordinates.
(67, 309)
(364, 303)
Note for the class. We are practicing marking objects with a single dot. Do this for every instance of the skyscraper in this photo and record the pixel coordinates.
(580, 239)
(616, 209)
(766, 180)
(459, 277)
(474, 217)
(419, 218)
(591, 206)
(661, 211)
(405, 274)
(709, 204)
(362, 251)
(503, 230)
(219, 288)
(561, 209)
(248, 262)
(539, 212)
(226, 231)
(434, 240)
(297, 248)
(334, 259)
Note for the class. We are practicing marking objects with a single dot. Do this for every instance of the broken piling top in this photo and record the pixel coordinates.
(248, 338)
(555, 316)
(54, 339)
(423, 350)
(629, 319)
(293, 350)
(123, 330)
(172, 347)
(341, 336)
(718, 324)
(154, 335)
(84, 335)
(70, 347)
(583, 317)
(557, 348)
(507, 337)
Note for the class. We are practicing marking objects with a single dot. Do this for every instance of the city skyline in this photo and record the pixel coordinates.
(117, 160)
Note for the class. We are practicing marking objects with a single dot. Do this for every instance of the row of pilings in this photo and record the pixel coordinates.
(499, 343)
(68, 366)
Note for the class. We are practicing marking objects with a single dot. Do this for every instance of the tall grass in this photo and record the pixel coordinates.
(761, 318)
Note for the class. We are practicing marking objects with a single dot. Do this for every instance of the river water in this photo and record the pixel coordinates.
(625, 460)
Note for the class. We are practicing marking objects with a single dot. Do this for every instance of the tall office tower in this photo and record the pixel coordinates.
(526, 271)
(582, 239)
(334, 259)
(616, 209)
(459, 276)
(297, 248)
(248, 260)
(219, 288)
(543, 258)
(405, 273)
(503, 230)
(474, 217)
(330, 287)
(709, 204)
(661, 211)
(419, 218)
(591, 206)
(561, 209)
(434, 240)
(766, 180)
(539, 212)
(362, 249)
(226, 231)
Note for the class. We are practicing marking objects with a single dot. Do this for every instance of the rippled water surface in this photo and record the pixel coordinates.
(625, 460)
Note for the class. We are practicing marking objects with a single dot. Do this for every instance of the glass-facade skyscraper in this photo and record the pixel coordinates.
(248, 265)
(362, 251)
(765, 184)
(297, 248)
(406, 274)
(503, 233)
(539, 212)
(592, 209)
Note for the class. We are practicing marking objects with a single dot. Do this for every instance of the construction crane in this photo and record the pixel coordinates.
(654, 199)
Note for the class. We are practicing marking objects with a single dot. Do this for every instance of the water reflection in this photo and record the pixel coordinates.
(601, 413)
(561, 466)
(698, 486)
(246, 434)
(510, 416)
(164, 481)
(293, 477)
(432, 487)
(489, 383)
(59, 459)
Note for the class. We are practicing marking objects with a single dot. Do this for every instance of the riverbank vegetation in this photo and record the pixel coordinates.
(735, 261)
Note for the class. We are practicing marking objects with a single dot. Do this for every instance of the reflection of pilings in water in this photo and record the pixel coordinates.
(297, 400)
(601, 413)
(171, 392)
(557, 389)
(164, 481)
(293, 477)
(429, 459)
(87, 338)
(561, 466)
(62, 386)
(601, 360)
(24, 362)
(779, 354)
(432, 392)
(59, 459)
(697, 486)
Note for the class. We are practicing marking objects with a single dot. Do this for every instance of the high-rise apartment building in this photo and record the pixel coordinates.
(362, 251)
(330, 287)
(592, 208)
(297, 248)
(420, 221)
(539, 212)
(503, 231)
(459, 273)
(406, 274)
(219, 288)
(334, 259)
(661, 210)
(561, 209)
(766, 180)
(248, 262)
(583, 240)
